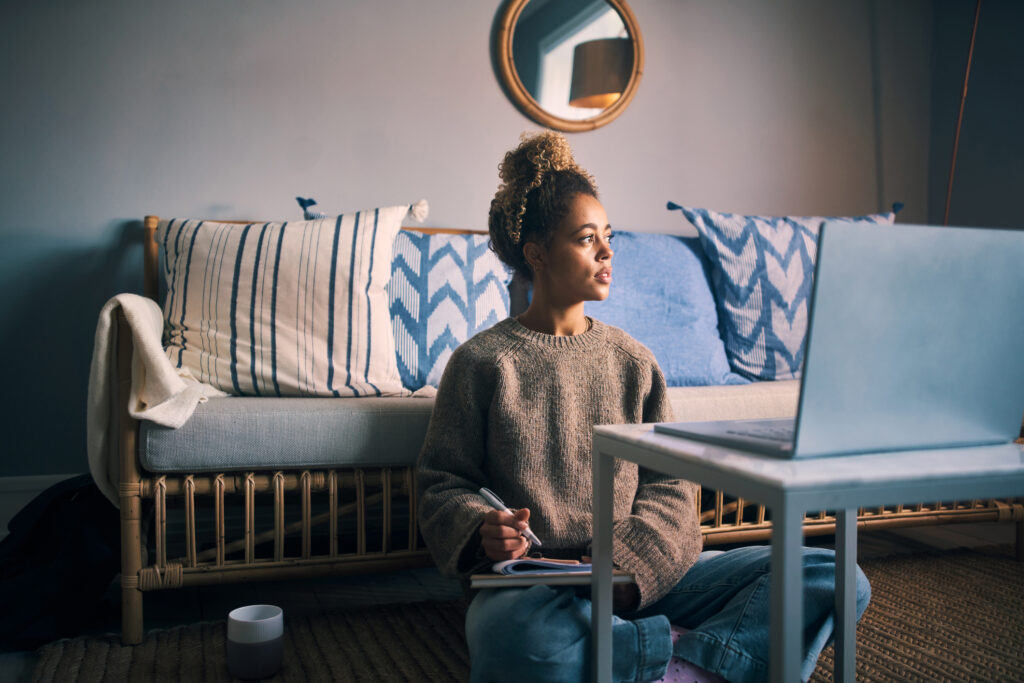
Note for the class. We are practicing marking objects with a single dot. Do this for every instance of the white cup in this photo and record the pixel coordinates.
(255, 643)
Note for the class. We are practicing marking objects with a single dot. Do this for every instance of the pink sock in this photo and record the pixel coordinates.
(682, 671)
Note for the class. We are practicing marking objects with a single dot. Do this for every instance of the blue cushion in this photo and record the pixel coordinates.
(660, 295)
(762, 268)
(444, 289)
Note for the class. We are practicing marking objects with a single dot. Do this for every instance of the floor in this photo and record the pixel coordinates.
(206, 603)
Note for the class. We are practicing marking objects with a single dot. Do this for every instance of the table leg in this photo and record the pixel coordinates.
(787, 597)
(846, 594)
(601, 580)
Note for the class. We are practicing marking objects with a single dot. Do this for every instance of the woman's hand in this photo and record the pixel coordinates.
(502, 534)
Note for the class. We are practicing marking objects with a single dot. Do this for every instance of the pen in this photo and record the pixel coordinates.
(498, 505)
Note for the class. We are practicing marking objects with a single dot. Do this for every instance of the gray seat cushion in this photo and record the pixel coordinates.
(244, 433)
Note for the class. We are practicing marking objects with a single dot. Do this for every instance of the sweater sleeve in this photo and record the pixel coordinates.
(449, 468)
(660, 539)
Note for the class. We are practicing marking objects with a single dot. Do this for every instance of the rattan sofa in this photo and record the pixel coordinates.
(186, 528)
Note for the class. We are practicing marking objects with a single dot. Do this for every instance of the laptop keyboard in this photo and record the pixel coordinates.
(778, 433)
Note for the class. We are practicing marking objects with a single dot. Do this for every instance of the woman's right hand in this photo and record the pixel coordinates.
(501, 534)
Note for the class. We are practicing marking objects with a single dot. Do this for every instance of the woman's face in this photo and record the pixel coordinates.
(577, 264)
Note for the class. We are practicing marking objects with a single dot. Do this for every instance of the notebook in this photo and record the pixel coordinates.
(528, 571)
(915, 341)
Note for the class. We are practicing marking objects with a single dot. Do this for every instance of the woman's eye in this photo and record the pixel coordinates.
(587, 240)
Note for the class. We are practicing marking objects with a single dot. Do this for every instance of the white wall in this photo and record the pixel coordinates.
(118, 108)
(231, 108)
(767, 107)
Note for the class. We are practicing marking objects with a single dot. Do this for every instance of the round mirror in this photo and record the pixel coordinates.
(571, 65)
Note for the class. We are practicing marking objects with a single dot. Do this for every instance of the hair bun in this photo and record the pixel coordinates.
(537, 153)
(524, 169)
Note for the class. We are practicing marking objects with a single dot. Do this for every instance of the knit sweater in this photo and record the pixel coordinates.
(514, 412)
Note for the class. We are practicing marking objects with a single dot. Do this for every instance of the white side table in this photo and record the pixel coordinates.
(789, 488)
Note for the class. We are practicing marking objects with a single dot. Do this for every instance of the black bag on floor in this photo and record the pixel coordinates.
(56, 564)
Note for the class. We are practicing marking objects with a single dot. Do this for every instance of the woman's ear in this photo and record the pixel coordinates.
(534, 255)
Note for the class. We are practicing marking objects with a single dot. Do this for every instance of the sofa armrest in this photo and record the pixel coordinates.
(735, 401)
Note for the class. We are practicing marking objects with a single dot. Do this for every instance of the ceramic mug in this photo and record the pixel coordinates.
(255, 641)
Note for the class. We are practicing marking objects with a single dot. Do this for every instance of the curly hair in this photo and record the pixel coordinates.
(539, 178)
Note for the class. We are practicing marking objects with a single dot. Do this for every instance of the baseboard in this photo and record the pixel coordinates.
(17, 492)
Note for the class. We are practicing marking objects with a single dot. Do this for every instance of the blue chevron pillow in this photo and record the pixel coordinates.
(444, 289)
(762, 268)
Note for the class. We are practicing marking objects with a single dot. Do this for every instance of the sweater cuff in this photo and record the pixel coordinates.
(637, 554)
(471, 553)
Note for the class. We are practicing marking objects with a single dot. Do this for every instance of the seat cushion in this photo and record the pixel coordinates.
(245, 433)
(248, 433)
(754, 401)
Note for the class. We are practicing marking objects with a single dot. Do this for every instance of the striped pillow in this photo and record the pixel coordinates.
(284, 309)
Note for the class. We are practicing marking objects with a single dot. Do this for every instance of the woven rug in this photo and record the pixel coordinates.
(951, 616)
(422, 641)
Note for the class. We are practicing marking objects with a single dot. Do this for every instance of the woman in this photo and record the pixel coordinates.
(514, 413)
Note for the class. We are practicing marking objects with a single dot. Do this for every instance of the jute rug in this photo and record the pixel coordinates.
(953, 616)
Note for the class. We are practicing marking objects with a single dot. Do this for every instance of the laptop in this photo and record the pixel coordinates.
(915, 341)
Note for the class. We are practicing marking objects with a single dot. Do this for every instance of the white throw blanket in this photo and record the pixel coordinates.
(159, 391)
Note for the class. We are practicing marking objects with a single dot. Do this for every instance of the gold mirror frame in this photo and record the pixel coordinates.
(521, 97)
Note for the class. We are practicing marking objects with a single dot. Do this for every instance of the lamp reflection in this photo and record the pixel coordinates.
(600, 72)
(553, 45)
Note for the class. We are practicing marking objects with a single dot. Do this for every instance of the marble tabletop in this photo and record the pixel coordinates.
(830, 471)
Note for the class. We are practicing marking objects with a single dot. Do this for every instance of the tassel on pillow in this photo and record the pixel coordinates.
(309, 213)
(419, 210)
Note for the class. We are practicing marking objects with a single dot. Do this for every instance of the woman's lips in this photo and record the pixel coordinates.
(604, 276)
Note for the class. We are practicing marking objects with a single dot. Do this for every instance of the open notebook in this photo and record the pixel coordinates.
(528, 571)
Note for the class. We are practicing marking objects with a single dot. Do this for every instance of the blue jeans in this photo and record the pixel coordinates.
(542, 633)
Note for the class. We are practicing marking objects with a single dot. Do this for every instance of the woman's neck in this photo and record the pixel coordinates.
(560, 322)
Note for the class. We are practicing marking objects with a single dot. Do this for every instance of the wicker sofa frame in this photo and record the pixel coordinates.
(176, 529)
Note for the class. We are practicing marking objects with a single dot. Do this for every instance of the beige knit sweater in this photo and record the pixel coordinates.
(514, 412)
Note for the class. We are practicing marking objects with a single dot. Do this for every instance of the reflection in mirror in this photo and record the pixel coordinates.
(574, 57)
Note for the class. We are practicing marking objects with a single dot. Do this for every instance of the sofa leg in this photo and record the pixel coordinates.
(1020, 541)
(130, 491)
(131, 614)
(131, 565)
